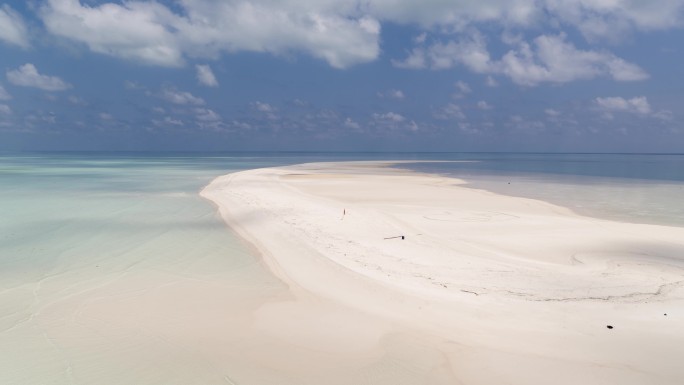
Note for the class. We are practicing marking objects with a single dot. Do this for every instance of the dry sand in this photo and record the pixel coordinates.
(484, 289)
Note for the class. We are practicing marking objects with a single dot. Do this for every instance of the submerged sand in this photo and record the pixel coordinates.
(484, 288)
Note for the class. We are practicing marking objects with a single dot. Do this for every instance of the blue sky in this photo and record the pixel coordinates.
(387, 75)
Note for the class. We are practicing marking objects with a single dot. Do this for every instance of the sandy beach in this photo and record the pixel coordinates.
(488, 289)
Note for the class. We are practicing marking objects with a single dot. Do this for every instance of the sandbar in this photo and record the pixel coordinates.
(503, 289)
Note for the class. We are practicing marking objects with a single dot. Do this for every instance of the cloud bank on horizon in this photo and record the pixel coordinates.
(336, 74)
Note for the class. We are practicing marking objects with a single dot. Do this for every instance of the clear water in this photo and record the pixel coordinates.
(114, 270)
(641, 188)
(76, 228)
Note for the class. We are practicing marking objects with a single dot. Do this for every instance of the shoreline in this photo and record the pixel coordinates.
(531, 185)
(549, 277)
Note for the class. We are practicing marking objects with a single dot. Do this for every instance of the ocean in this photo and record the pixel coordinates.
(97, 247)
(637, 188)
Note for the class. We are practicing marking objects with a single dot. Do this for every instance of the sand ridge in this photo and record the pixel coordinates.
(522, 287)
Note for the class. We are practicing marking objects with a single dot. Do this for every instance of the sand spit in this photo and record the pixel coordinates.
(498, 289)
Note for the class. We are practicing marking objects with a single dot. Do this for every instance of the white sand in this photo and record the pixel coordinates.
(485, 289)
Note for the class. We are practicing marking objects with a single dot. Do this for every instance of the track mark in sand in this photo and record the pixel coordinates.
(629, 297)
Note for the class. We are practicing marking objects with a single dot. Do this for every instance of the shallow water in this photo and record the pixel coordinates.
(114, 270)
(629, 188)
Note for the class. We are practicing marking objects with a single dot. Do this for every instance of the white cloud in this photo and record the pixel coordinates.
(455, 14)
(349, 123)
(106, 116)
(131, 85)
(595, 18)
(483, 105)
(168, 121)
(550, 59)
(180, 97)
(207, 115)
(663, 115)
(462, 90)
(390, 116)
(12, 27)
(5, 109)
(638, 105)
(463, 87)
(154, 34)
(263, 107)
(470, 51)
(491, 82)
(28, 76)
(343, 33)
(145, 35)
(77, 101)
(450, 111)
(552, 113)
(392, 94)
(522, 125)
(205, 76)
(613, 19)
(173, 122)
(4, 95)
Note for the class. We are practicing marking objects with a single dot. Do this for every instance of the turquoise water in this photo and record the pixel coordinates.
(53, 204)
(638, 188)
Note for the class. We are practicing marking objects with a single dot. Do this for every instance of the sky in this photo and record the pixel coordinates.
(342, 75)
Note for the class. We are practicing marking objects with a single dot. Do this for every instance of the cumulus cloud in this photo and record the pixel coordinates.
(343, 33)
(131, 85)
(205, 76)
(522, 125)
(180, 97)
(77, 101)
(4, 95)
(463, 87)
(551, 58)
(389, 117)
(470, 51)
(144, 37)
(154, 34)
(392, 94)
(392, 122)
(263, 107)
(638, 105)
(168, 122)
(350, 123)
(593, 18)
(491, 82)
(483, 105)
(5, 109)
(12, 27)
(552, 113)
(613, 19)
(28, 76)
(207, 115)
(173, 122)
(449, 112)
